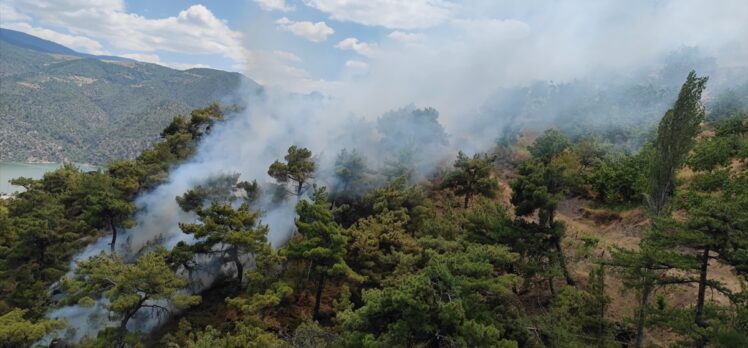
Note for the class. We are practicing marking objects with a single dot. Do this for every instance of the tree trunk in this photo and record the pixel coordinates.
(512, 270)
(562, 261)
(702, 293)
(467, 200)
(298, 190)
(552, 286)
(661, 199)
(114, 234)
(318, 299)
(122, 334)
(128, 315)
(642, 315)
(239, 266)
(42, 248)
(123, 323)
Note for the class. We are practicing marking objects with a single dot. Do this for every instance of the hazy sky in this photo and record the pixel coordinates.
(306, 45)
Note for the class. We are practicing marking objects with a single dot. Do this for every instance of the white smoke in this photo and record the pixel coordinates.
(455, 68)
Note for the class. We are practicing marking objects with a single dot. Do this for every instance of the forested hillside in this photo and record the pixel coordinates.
(60, 105)
(545, 240)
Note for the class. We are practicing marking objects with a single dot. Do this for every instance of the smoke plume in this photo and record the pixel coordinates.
(487, 67)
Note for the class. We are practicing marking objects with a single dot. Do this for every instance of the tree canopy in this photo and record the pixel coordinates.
(297, 170)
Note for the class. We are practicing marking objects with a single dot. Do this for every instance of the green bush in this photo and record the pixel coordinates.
(618, 179)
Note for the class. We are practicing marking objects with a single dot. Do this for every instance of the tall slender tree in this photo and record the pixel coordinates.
(675, 137)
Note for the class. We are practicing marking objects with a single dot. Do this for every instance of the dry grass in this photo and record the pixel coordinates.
(625, 229)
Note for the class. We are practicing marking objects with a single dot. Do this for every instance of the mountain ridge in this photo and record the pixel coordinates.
(35, 43)
(61, 106)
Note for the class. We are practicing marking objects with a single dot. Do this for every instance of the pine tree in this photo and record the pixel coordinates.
(576, 318)
(540, 187)
(350, 170)
(128, 288)
(376, 244)
(17, 331)
(472, 176)
(461, 299)
(645, 270)
(103, 205)
(715, 228)
(675, 136)
(228, 232)
(298, 169)
(321, 242)
(549, 145)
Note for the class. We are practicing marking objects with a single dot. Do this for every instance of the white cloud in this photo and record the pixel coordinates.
(356, 64)
(9, 14)
(287, 56)
(270, 5)
(155, 59)
(91, 24)
(411, 14)
(404, 37)
(78, 43)
(352, 44)
(280, 69)
(315, 32)
(143, 57)
(195, 30)
(184, 66)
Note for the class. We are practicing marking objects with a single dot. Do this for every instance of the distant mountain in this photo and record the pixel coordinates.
(32, 42)
(59, 104)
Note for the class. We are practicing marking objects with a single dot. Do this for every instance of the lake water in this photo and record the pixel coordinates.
(12, 170)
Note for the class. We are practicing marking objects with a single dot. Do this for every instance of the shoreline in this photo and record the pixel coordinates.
(35, 170)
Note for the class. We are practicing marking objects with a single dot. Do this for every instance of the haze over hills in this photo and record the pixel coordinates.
(59, 104)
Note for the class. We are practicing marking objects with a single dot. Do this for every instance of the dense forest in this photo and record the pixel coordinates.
(552, 238)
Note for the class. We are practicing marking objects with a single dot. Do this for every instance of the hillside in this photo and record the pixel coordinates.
(543, 241)
(58, 104)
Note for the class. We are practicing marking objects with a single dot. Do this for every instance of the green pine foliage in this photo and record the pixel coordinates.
(16, 331)
(129, 287)
(472, 177)
(321, 242)
(391, 259)
(56, 216)
(296, 172)
(460, 299)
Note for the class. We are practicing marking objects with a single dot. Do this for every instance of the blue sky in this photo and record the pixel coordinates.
(433, 45)
(269, 32)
